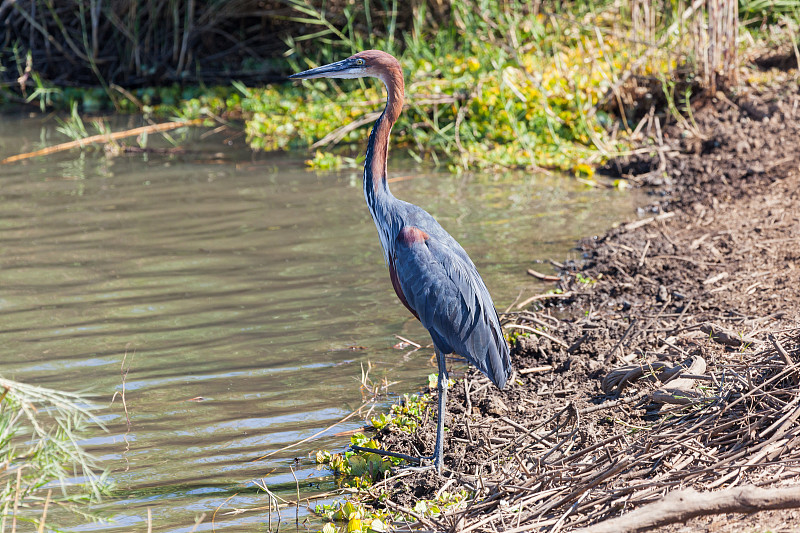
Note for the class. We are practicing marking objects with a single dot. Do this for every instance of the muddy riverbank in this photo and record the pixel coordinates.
(668, 359)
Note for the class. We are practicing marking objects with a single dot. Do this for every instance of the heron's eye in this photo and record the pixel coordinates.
(359, 62)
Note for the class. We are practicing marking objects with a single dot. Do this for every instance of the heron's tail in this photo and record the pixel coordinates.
(482, 344)
(487, 349)
(498, 358)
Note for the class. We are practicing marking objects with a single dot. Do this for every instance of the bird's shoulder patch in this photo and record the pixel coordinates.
(411, 235)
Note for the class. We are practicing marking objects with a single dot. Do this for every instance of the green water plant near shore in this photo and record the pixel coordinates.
(368, 509)
(356, 469)
(361, 469)
(353, 516)
(476, 97)
(490, 84)
(501, 85)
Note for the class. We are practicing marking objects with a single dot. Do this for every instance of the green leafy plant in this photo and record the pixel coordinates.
(330, 161)
(407, 414)
(356, 469)
(514, 336)
(356, 516)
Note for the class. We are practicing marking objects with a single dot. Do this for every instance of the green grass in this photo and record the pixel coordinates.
(40, 453)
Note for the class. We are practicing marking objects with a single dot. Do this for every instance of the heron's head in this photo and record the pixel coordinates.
(370, 63)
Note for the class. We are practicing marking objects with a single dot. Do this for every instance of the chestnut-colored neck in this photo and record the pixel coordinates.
(376, 189)
(378, 146)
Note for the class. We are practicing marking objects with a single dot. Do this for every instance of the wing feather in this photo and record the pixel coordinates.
(444, 289)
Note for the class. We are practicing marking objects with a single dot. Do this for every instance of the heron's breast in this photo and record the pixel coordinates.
(398, 289)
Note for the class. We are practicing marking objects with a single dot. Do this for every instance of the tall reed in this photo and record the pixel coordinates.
(41, 456)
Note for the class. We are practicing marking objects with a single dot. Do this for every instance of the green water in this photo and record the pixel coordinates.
(237, 285)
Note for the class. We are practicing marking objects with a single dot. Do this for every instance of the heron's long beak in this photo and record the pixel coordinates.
(345, 68)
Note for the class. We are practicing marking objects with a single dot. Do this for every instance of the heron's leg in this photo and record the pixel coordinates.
(441, 387)
(439, 448)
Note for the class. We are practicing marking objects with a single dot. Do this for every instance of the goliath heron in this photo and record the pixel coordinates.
(431, 273)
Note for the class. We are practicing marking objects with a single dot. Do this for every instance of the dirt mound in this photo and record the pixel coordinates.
(727, 149)
(673, 362)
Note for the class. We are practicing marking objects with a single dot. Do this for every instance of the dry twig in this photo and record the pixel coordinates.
(680, 506)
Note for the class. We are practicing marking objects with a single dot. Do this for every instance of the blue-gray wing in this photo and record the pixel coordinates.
(442, 287)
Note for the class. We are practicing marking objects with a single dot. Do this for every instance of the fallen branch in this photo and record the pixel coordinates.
(639, 223)
(339, 133)
(535, 369)
(538, 297)
(102, 138)
(678, 390)
(726, 336)
(543, 277)
(682, 505)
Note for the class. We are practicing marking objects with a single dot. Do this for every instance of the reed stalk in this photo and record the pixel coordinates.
(40, 451)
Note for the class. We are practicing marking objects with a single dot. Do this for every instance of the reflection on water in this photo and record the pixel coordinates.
(244, 295)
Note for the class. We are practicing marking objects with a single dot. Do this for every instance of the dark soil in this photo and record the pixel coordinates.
(713, 272)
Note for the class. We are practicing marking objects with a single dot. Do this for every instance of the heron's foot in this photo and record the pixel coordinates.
(426, 462)
(387, 453)
(410, 458)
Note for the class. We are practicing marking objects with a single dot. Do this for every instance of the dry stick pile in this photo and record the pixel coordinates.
(735, 423)
(679, 368)
(724, 416)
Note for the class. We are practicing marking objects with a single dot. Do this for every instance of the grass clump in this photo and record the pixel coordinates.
(41, 456)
